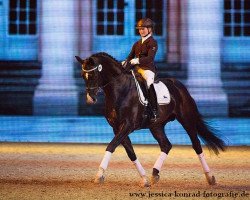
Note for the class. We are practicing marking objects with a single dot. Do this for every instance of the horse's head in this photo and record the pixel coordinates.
(90, 74)
(98, 71)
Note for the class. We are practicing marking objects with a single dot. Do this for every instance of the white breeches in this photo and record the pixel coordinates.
(148, 75)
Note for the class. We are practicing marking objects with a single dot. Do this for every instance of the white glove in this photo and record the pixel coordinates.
(123, 62)
(134, 61)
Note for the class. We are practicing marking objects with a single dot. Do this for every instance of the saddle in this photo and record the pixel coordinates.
(162, 92)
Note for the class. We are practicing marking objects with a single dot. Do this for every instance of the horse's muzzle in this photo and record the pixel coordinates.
(90, 99)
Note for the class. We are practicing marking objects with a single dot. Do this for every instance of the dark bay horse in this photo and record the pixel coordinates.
(124, 113)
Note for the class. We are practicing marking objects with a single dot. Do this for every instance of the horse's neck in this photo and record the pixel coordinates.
(116, 82)
(110, 71)
(119, 86)
(120, 98)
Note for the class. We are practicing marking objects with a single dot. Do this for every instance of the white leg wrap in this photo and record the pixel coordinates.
(105, 160)
(159, 162)
(139, 167)
(100, 172)
(203, 163)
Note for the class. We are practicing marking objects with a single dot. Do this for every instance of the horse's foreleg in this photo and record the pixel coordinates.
(157, 167)
(159, 162)
(103, 166)
(116, 141)
(165, 145)
(141, 171)
(210, 178)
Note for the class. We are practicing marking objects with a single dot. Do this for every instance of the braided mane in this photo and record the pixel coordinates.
(106, 55)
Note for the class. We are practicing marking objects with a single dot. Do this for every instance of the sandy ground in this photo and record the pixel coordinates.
(66, 171)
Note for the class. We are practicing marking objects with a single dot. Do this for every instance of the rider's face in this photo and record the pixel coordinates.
(144, 31)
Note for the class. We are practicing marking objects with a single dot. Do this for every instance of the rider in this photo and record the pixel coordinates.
(142, 55)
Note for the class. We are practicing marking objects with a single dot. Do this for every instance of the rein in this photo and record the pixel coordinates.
(111, 81)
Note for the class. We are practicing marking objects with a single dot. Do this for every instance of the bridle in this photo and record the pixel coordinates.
(99, 69)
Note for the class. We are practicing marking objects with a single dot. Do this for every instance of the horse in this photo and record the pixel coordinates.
(124, 113)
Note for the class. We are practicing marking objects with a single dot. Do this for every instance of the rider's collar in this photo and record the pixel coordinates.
(145, 38)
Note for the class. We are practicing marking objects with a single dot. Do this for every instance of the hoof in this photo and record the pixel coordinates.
(145, 182)
(210, 179)
(99, 179)
(155, 179)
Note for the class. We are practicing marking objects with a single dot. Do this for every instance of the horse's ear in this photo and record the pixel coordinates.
(79, 59)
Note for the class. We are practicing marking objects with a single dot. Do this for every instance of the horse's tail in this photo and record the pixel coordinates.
(208, 135)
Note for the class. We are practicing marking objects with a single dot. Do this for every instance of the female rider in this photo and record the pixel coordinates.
(142, 56)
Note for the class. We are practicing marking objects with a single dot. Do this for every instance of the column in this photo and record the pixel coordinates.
(2, 30)
(86, 32)
(183, 31)
(204, 71)
(57, 93)
(173, 54)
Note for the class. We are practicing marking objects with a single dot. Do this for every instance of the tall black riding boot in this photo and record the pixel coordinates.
(153, 101)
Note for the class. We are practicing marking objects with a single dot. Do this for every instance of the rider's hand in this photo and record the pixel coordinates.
(134, 61)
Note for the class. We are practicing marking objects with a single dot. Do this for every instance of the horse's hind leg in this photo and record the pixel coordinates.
(192, 133)
(131, 154)
(165, 146)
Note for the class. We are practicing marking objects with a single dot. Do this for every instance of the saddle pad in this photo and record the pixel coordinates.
(162, 93)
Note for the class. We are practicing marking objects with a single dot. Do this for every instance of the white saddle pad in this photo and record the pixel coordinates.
(162, 93)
